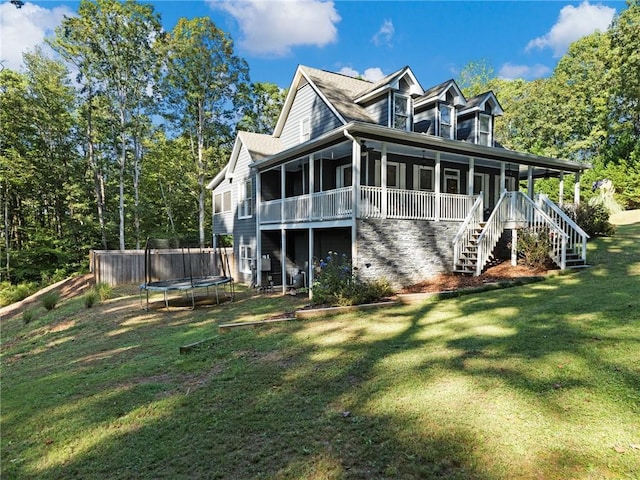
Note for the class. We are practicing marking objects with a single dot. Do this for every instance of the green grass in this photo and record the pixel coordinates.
(540, 381)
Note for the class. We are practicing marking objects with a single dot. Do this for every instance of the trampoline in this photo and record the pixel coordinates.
(199, 270)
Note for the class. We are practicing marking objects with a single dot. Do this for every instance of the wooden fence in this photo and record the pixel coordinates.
(117, 267)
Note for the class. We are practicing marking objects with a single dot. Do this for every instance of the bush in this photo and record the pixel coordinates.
(50, 299)
(593, 219)
(28, 316)
(91, 298)
(534, 247)
(103, 291)
(10, 293)
(337, 283)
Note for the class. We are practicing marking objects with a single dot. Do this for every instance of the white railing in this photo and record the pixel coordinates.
(577, 237)
(397, 203)
(517, 209)
(468, 230)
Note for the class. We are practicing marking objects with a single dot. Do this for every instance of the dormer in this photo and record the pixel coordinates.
(390, 100)
(435, 111)
(476, 119)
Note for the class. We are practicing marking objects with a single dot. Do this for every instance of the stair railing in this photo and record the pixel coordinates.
(492, 230)
(470, 225)
(577, 237)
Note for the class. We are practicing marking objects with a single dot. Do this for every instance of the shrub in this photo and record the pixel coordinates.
(337, 283)
(534, 247)
(104, 291)
(50, 299)
(91, 298)
(10, 293)
(593, 219)
(28, 316)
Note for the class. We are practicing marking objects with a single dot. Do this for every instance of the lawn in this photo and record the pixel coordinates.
(540, 381)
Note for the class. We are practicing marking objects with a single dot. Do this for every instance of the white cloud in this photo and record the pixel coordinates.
(509, 71)
(22, 29)
(384, 36)
(274, 27)
(372, 74)
(573, 23)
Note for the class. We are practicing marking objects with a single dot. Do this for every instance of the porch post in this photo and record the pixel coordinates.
(530, 182)
(283, 255)
(471, 174)
(561, 190)
(310, 275)
(437, 185)
(283, 190)
(503, 181)
(258, 236)
(576, 189)
(514, 247)
(355, 188)
(312, 186)
(383, 180)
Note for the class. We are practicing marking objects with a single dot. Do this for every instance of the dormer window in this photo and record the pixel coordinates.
(401, 112)
(484, 129)
(446, 121)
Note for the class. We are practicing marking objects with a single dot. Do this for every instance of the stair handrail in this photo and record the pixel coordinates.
(577, 236)
(471, 222)
(490, 233)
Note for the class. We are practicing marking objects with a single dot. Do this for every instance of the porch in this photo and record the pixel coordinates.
(374, 202)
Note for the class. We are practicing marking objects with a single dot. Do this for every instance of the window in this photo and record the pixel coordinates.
(423, 178)
(446, 121)
(344, 175)
(245, 197)
(396, 174)
(451, 180)
(305, 129)
(222, 202)
(481, 184)
(484, 130)
(245, 259)
(401, 117)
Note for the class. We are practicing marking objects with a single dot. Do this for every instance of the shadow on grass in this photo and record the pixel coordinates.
(466, 388)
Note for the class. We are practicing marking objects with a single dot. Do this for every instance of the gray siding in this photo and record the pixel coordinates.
(307, 104)
(244, 230)
(466, 129)
(405, 252)
(379, 110)
(424, 121)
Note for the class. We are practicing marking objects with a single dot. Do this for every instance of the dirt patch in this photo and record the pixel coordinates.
(496, 273)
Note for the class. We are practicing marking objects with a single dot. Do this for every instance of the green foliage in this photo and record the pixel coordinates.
(593, 219)
(28, 316)
(104, 291)
(50, 299)
(91, 298)
(534, 247)
(337, 283)
(10, 293)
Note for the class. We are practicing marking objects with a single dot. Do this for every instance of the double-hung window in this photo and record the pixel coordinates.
(423, 178)
(245, 259)
(245, 199)
(222, 202)
(446, 121)
(484, 129)
(401, 112)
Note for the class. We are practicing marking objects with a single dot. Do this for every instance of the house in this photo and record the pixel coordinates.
(407, 182)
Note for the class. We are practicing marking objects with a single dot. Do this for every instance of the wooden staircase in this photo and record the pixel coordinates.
(468, 260)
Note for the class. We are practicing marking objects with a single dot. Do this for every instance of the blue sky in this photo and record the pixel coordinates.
(520, 39)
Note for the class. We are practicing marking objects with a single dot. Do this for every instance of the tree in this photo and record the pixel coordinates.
(265, 104)
(205, 86)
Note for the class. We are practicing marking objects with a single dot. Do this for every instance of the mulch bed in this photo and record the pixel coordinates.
(448, 282)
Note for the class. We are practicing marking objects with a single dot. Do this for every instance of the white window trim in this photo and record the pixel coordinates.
(484, 186)
(246, 258)
(452, 125)
(340, 175)
(479, 131)
(245, 204)
(406, 114)
(305, 129)
(221, 196)
(416, 178)
(452, 174)
(401, 176)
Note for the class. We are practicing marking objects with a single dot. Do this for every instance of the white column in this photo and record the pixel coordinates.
(310, 273)
(471, 174)
(312, 182)
(576, 189)
(283, 255)
(383, 180)
(283, 190)
(503, 180)
(530, 182)
(355, 180)
(561, 190)
(437, 186)
(514, 247)
(258, 235)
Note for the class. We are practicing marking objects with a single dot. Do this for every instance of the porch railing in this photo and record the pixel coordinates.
(577, 237)
(469, 229)
(517, 209)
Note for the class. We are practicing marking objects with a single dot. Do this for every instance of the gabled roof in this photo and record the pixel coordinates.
(392, 81)
(439, 92)
(479, 101)
(258, 145)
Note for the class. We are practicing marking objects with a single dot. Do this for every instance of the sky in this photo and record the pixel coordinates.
(437, 39)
